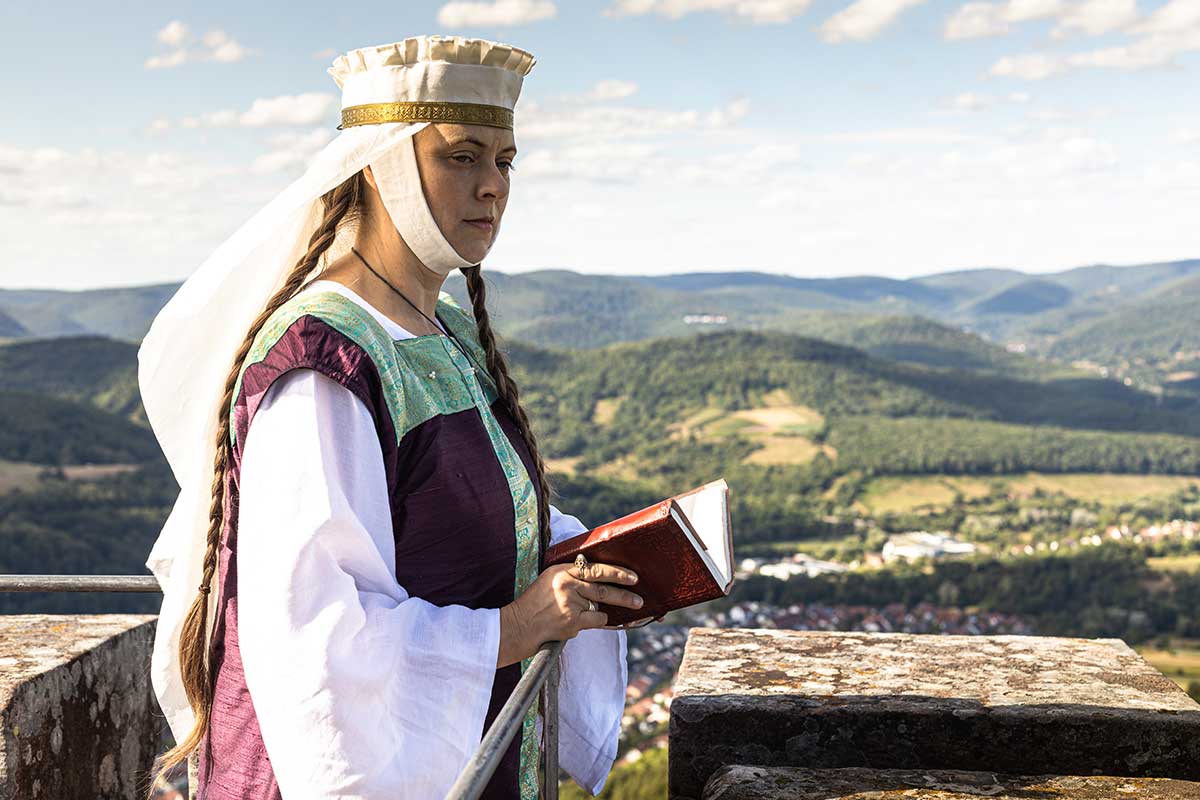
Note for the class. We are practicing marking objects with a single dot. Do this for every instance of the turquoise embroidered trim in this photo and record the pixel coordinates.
(404, 365)
(409, 369)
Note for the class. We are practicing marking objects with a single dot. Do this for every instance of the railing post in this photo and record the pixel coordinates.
(480, 767)
(550, 734)
(193, 764)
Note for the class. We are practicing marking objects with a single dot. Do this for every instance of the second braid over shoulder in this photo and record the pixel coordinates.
(507, 388)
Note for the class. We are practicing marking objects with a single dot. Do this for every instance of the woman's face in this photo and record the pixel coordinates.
(465, 176)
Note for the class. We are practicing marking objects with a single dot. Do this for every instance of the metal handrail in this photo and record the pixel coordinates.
(541, 675)
(541, 672)
(79, 583)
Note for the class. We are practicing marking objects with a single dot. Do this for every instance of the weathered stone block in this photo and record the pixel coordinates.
(737, 782)
(78, 716)
(1014, 704)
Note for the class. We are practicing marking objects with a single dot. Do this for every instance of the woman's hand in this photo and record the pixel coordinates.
(555, 607)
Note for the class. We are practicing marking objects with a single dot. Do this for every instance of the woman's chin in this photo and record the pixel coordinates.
(473, 251)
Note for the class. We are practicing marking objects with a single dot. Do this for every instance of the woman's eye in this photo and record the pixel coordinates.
(469, 159)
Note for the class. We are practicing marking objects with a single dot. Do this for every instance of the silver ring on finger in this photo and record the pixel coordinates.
(581, 565)
(592, 605)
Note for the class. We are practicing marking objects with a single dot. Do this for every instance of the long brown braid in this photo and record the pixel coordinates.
(343, 204)
(507, 388)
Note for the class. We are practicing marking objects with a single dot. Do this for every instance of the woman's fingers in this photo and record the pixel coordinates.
(607, 593)
(592, 619)
(604, 573)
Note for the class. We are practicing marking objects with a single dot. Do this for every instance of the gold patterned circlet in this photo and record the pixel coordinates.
(427, 111)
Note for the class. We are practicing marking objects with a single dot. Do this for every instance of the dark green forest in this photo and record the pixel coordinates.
(878, 416)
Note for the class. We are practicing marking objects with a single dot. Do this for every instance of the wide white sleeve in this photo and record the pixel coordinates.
(361, 691)
(591, 691)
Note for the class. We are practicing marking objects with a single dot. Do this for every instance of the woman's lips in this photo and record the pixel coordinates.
(483, 225)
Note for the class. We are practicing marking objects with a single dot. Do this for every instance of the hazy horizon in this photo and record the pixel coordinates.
(894, 138)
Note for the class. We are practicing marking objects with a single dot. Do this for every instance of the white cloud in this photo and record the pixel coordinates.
(605, 141)
(496, 13)
(1186, 136)
(222, 48)
(308, 108)
(537, 122)
(755, 11)
(603, 162)
(1174, 17)
(970, 101)
(165, 62)
(1091, 17)
(173, 34)
(1031, 66)
(216, 45)
(1153, 49)
(864, 19)
(921, 136)
(978, 20)
(612, 90)
(1096, 17)
(291, 149)
(52, 178)
(1086, 153)
(1172, 29)
(15, 160)
(602, 91)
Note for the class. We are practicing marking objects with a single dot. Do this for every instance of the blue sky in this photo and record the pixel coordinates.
(807, 137)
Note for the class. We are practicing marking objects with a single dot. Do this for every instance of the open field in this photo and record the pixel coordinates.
(779, 425)
(900, 493)
(22, 475)
(566, 464)
(1188, 563)
(1180, 663)
(18, 475)
(606, 410)
(1108, 487)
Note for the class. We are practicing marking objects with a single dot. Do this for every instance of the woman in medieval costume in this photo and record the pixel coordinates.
(359, 481)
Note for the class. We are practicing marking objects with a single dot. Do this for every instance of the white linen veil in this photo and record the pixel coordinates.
(185, 358)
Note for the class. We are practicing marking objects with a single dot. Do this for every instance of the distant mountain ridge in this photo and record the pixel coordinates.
(1055, 314)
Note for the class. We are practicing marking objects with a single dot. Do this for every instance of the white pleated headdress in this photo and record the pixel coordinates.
(389, 92)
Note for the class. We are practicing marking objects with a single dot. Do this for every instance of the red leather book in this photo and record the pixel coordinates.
(681, 549)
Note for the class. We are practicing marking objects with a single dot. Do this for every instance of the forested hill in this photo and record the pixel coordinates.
(1121, 317)
(602, 403)
(784, 418)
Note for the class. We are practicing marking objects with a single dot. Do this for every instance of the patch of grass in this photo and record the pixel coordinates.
(567, 464)
(606, 410)
(1107, 487)
(902, 493)
(1188, 563)
(787, 450)
(910, 492)
(18, 475)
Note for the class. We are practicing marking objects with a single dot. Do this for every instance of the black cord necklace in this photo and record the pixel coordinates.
(447, 332)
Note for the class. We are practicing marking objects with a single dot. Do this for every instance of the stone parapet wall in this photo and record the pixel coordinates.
(1010, 704)
(78, 717)
(855, 783)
